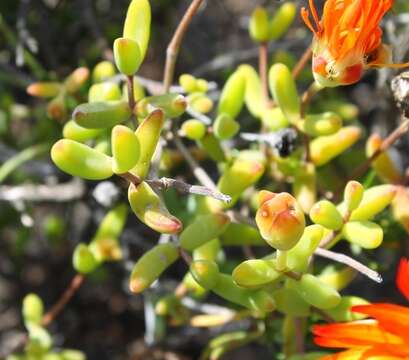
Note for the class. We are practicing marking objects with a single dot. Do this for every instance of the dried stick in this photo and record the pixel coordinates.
(131, 97)
(198, 171)
(59, 306)
(299, 67)
(166, 183)
(263, 69)
(187, 258)
(326, 241)
(238, 218)
(185, 188)
(328, 318)
(307, 96)
(401, 130)
(69, 191)
(299, 335)
(174, 45)
(344, 259)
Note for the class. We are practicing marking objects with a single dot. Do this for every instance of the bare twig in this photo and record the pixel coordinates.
(199, 116)
(344, 259)
(15, 345)
(134, 179)
(209, 309)
(198, 171)
(131, 97)
(72, 190)
(328, 318)
(263, 69)
(293, 275)
(299, 335)
(401, 130)
(307, 96)
(238, 218)
(185, 188)
(59, 306)
(166, 183)
(326, 241)
(302, 62)
(174, 46)
(185, 256)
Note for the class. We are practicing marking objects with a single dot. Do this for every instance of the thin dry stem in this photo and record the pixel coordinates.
(238, 218)
(307, 97)
(184, 188)
(132, 178)
(174, 45)
(401, 130)
(263, 70)
(345, 259)
(302, 62)
(198, 171)
(328, 318)
(185, 256)
(166, 183)
(131, 97)
(299, 335)
(59, 306)
(293, 275)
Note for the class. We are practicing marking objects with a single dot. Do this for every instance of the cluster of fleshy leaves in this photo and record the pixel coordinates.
(39, 344)
(117, 133)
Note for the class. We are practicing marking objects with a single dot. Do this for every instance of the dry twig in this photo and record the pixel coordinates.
(174, 45)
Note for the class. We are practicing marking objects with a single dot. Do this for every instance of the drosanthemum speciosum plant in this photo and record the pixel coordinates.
(268, 190)
(384, 336)
(348, 40)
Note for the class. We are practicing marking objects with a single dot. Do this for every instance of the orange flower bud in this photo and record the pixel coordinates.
(281, 221)
(44, 89)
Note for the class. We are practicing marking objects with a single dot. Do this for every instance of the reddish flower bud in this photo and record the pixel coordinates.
(280, 220)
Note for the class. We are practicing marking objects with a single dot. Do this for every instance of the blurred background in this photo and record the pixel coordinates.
(47, 39)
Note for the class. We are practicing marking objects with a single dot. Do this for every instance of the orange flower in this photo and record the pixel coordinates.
(347, 40)
(384, 337)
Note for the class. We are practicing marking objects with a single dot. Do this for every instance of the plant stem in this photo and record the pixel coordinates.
(263, 71)
(59, 306)
(181, 186)
(131, 98)
(302, 62)
(198, 172)
(185, 188)
(328, 318)
(401, 130)
(281, 260)
(344, 259)
(174, 45)
(313, 89)
(134, 179)
(299, 335)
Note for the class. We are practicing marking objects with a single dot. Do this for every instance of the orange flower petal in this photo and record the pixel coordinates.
(402, 278)
(354, 334)
(361, 354)
(394, 351)
(345, 355)
(348, 26)
(393, 318)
